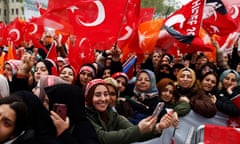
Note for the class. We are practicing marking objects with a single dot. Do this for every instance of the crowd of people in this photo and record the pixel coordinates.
(104, 104)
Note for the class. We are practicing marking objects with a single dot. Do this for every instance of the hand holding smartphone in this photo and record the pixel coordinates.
(158, 109)
(61, 110)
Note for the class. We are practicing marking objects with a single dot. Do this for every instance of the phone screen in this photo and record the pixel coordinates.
(158, 109)
(61, 110)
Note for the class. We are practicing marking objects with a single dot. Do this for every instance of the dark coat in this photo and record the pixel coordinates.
(224, 103)
(81, 131)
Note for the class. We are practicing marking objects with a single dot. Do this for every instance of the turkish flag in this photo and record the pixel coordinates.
(33, 30)
(98, 21)
(40, 8)
(216, 19)
(80, 52)
(55, 5)
(233, 8)
(130, 23)
(15, 31)
(131, 45)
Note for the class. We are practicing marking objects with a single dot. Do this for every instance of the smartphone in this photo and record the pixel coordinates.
(158, 109)
(61, 110)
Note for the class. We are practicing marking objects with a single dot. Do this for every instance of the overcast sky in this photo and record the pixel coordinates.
(183, 1)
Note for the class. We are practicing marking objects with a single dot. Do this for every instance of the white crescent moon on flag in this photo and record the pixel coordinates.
(82, 41)
(35, 28)
(17, 33)
(100, 18)
(236, 11)
(128, 34)
(175, 19)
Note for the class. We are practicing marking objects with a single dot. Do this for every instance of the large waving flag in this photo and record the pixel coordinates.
(233, 8)
(80, 52)
(185, 26)
(15, 31)
(40, 8)
(216, 19)
(148, 34)
(185, 23)
(130, 23)
(98, 21)
(132, 44)
(33, 30)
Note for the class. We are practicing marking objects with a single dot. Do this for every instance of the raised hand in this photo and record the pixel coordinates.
(59, 123)
(147, 124)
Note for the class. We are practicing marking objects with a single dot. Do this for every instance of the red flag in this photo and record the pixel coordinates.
(33, 30)
(15, 31)
(186, 28)
(233, 8)
(216, 19)
(3, 27)
(220, 134)
(40, 8)
(55, 5)
(146, 14)
(98, 21)
(131, 45)
(130, 23)
(56, 20)
(80, 52)
(235, 121)
(184, 24)
(165, 40)
(52, 53)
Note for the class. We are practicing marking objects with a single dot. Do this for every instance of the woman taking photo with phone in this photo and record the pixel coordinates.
(114, 128)
(76, 128)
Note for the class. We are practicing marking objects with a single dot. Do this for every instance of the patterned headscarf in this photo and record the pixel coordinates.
(152, 91)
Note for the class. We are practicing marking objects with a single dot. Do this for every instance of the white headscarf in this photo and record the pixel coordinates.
(4, 87)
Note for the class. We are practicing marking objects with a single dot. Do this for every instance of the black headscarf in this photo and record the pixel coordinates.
(39, 117)
(71, 95)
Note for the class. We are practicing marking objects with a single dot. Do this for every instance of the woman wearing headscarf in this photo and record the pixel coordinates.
(146, 96)
(13, 122)
(228, 96)
(39, 120)
(86, 73)
(120, 106)
(46, 81)
(21, 76)
(4, 87)
(68, 73)
(76, 128)
(10, 68)
(112, 127)
(186, 84)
